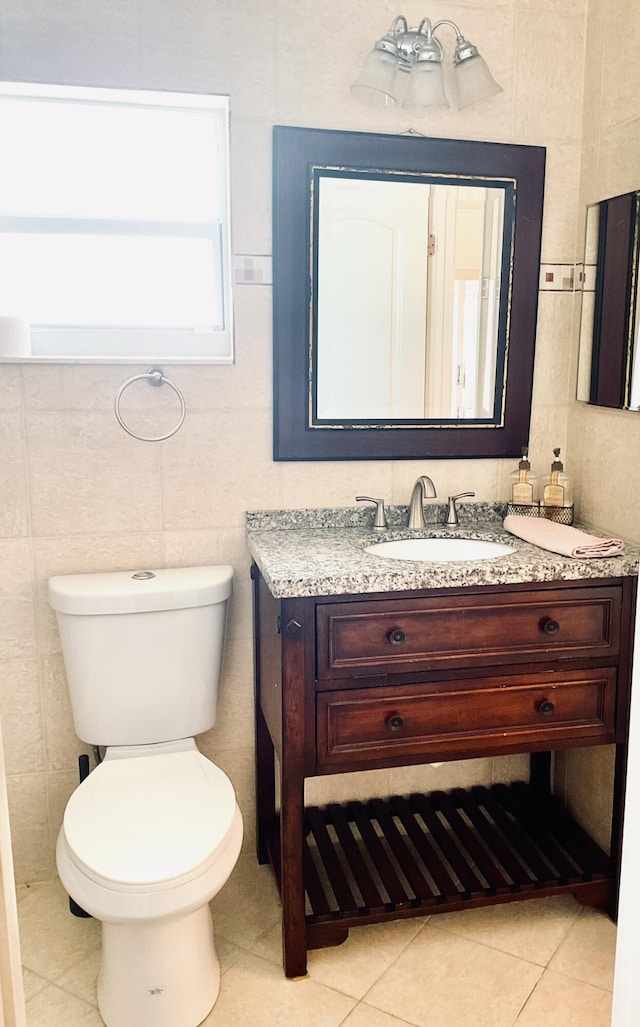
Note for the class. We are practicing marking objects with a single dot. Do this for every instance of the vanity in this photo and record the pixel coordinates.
(364, 663)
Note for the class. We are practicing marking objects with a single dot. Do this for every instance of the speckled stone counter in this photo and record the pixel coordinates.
(322, 552)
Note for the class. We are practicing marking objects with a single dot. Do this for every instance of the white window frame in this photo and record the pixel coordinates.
(98, 344)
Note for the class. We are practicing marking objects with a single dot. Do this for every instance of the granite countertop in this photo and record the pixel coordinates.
(322, 552)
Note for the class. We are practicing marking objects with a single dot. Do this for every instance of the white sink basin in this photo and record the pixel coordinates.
(439, 550)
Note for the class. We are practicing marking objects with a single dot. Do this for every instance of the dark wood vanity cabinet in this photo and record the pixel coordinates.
(364, 682)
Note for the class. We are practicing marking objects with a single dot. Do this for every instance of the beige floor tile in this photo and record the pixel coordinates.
(530, 930)
(447, 981)
(54, 1007)
(356, 965)
(227, 952)
(255, 992)
(588, 951)
(247, 906)
(559, 1001)
(82, 979)
(366, 1016)
(52, 940)
(32, 984)
(269, 945)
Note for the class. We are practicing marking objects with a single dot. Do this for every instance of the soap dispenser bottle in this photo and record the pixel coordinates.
(557, 485)
(523, 483)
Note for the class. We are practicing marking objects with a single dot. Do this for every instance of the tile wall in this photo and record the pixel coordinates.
(78, 494)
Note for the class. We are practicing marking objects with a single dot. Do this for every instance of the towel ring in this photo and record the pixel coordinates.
(155, 376)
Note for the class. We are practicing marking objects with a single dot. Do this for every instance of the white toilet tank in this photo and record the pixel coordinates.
(142, 651)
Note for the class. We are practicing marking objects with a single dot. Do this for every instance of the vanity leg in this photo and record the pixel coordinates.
(297, 727)
(265, 786)
(294, 932)
(265, 751)
(540, 771)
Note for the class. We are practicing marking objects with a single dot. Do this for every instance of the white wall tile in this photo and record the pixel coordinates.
(14, 504)
(218, 467)
(17, 609)
(184, 46)
(10, 387)
(21, 715)
(88, 477)
(32, 855)
(548, 84)
(69, 42)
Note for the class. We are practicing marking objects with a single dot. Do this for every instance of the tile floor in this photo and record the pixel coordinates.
(547, 963)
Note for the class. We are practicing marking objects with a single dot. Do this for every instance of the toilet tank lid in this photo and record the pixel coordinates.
(173, 588)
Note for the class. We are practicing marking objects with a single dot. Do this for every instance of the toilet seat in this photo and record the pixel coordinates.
(151, 822)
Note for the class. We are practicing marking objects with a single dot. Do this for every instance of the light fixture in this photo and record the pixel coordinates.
(419, 52)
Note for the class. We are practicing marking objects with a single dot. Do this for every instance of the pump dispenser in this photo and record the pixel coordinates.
(523, 483)
(557, 486)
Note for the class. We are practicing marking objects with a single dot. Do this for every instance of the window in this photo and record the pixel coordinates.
(114, 222)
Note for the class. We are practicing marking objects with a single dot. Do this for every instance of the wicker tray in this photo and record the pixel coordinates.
(559, 514)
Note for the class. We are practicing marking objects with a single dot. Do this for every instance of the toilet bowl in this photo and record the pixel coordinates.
(148, 839)
(153, 833)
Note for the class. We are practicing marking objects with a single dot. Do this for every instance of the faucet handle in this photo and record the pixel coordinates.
(380, 521)
(452, 511)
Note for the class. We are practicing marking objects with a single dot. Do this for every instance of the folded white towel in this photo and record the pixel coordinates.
(560, 538)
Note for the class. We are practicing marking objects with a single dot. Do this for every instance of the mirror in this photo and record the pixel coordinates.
(608, 373)
(406, 282)
(409, 323)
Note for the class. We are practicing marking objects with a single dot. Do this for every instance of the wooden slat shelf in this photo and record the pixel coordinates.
(421, 854)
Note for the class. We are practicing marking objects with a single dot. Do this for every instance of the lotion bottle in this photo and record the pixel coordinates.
(557, 490)
(523, 483)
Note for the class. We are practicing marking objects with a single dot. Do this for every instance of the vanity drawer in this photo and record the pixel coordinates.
(479, 630)
(505, 714)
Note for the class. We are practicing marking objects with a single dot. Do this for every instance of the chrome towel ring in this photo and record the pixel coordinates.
(155, 376)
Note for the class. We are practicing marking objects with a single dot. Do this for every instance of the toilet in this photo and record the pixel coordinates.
(153, 833)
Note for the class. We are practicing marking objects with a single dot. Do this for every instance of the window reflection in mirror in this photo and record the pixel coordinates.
(609, 351)
(410, 314)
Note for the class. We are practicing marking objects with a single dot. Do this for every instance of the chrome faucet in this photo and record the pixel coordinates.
(380, 520)
(423, 489)
(452, 510)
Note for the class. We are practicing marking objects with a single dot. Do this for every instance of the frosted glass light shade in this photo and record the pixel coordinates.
(376, 85)
(474, 81)
(426, 87)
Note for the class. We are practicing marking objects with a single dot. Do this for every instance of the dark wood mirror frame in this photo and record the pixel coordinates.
(296, 152)
(615, 313)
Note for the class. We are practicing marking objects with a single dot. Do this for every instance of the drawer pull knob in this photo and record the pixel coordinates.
(546, 707)
(551, 627)
(397, 637)
(394, 722)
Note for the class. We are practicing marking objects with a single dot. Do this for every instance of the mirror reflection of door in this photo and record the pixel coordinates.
(371, 299)
(463, 301)
(408, 299)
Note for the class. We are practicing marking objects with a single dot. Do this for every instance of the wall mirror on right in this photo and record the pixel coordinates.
(609, 351)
